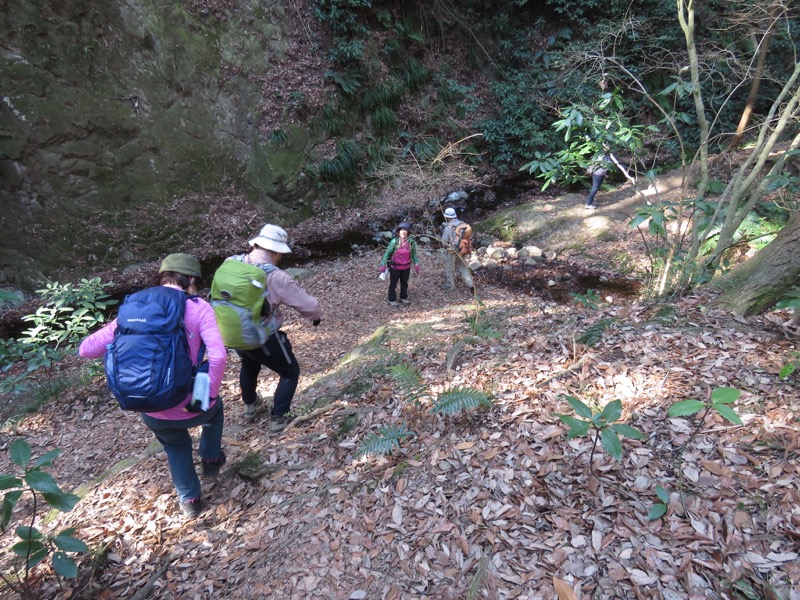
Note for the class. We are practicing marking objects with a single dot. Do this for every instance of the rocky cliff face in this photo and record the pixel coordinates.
(108, 108)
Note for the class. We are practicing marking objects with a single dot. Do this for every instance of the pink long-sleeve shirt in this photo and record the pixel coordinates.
(200, 326)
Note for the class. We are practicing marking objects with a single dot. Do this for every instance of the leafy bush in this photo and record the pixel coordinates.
(587, 132)
(69, 313)
(35, 546)
(590, 299)
(719, 401)
(603, 423)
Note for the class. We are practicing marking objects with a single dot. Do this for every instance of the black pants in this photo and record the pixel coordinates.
(400, 275)
(272, 356)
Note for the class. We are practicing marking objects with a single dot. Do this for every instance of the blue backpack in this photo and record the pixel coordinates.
(148, 365)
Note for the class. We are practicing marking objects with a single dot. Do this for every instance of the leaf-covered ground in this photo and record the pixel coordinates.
(495, 503)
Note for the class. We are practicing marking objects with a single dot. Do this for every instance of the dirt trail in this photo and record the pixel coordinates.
(498, 496)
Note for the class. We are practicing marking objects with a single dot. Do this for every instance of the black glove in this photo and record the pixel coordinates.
(315, 322)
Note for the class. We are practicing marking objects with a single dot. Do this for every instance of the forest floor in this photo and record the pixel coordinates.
(491, 503)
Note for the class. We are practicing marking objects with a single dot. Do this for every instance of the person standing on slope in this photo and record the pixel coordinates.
(171, 426)
(453, 261)
(268, 248)
(399, 257)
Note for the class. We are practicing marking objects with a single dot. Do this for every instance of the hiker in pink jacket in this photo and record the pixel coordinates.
(268, 247)
(171, 426)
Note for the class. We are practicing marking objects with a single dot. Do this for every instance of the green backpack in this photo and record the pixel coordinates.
(240, 300)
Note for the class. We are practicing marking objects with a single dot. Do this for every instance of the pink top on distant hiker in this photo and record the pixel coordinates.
(200, 325)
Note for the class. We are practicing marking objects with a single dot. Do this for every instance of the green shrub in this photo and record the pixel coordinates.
(603, 423)
(69, 313)
(36, 546)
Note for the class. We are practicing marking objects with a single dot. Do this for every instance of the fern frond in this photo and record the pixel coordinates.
(349, 82)
(409, 384)
(383, 441)
(594, 333)
(458, 400)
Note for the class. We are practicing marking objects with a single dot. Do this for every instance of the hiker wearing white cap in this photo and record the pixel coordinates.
(453, 261)
(268, 247)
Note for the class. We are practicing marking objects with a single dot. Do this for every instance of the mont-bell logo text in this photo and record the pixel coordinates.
(136, 320)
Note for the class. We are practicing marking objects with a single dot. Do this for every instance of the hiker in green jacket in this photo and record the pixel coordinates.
(400, 255)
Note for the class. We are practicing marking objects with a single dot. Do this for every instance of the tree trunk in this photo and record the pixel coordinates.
(757, 284)
(751, 97)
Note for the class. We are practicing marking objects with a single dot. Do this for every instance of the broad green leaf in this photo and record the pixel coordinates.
(787, 370)
(579, 407)
(25, 547)
(612, 411)
(67, 543)
(64, 565)
(628, 431)
(62, 501)
(9, 481)
(662, 494)
(725, 395)
(638, 220)
(580, 428)
(611, 443)
(9, 502)
(791, 303)
(656, 511)
(568, 419)
(37, 556)
(47, 458)
(42, 482)
(20, 452)
(728, 413)
(686, 408)
(26, 532)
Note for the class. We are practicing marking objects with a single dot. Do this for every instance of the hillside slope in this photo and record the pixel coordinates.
(496, 501)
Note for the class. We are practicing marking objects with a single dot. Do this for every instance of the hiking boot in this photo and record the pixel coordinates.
(471, 290)
(211, 467)
(250, 410)
(278, 424)
(447, 287)
(393, 303)
(590, 207)
(405, 301)
(191, 508)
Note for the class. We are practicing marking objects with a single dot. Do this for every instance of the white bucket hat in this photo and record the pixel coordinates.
(450, 213)
(272, 237)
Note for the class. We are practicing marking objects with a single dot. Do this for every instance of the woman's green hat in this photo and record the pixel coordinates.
(181, 263)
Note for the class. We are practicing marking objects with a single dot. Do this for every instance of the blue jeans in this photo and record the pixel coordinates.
(276, 354)
(174, 436)
(597, 181)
